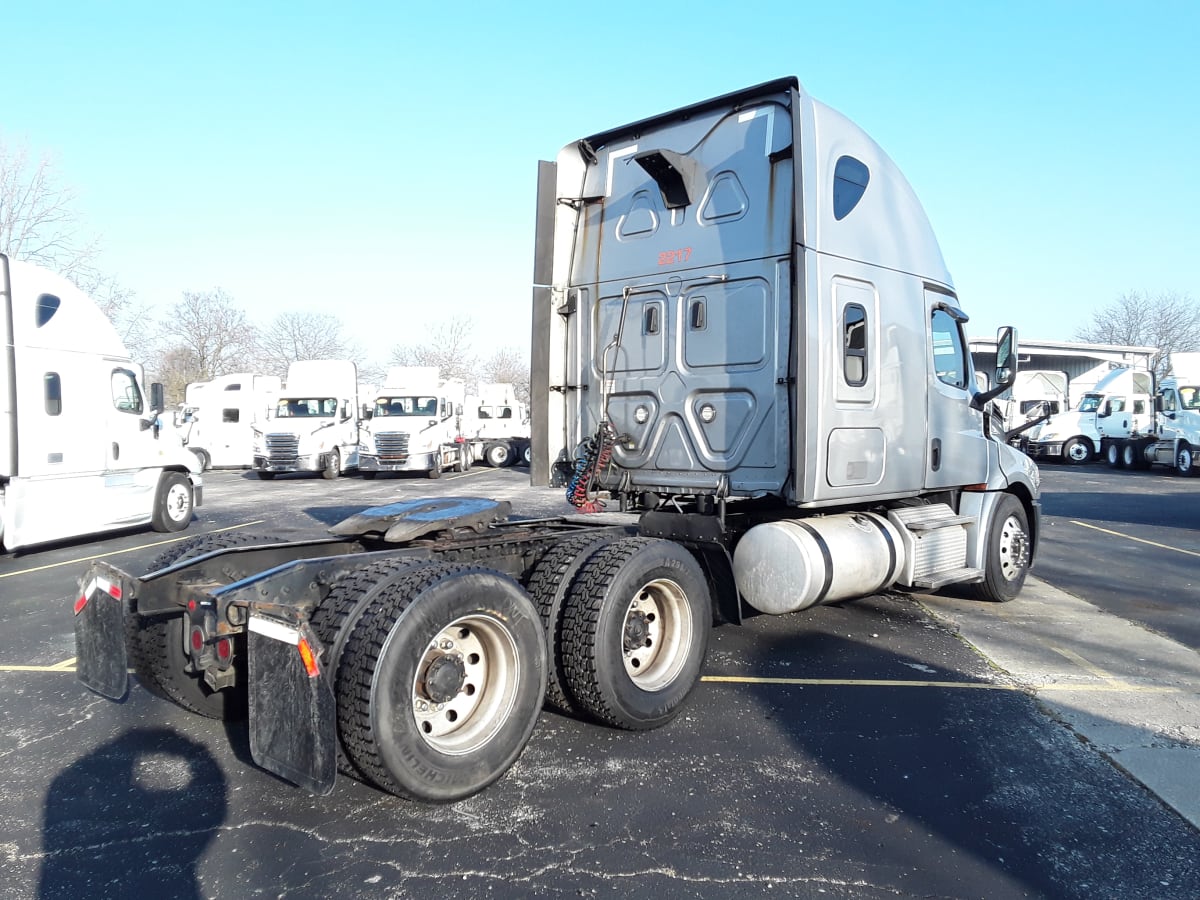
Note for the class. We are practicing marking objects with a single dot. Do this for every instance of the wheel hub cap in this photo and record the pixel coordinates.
(444, 678)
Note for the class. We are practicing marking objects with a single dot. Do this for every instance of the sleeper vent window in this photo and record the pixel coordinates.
(854, 344)
(47, 306)
(850, 177)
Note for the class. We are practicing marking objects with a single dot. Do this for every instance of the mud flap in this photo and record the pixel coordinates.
(101, 660)
(293, 724)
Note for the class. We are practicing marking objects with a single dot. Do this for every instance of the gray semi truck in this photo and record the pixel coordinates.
(746, 339)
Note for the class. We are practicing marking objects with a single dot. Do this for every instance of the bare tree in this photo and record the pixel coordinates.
(206, 335)
(448, 346)
(1168, 322)
(508, 366)
(37, 217)
(300, 335)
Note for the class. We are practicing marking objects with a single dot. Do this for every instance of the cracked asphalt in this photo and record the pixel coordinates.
(861, 750)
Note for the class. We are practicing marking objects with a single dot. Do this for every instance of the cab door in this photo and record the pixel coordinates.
(956, 451)
(130, 447)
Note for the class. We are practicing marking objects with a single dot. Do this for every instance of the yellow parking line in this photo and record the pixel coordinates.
(83, 559)
(1083, 663)
(1130, 537)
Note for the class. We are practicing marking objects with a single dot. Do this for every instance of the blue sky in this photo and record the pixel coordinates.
(378, 160)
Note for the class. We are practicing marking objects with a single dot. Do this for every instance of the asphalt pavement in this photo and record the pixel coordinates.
(893, 746)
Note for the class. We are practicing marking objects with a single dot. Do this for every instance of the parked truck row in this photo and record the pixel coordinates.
(746, 339)
(1168, 434)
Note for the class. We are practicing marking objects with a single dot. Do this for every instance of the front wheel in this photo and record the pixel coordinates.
(1077, 451)
(173, 503)
(1185, 459)
(441, 682)
(333, 465)
(1008, 549)
(635, 632)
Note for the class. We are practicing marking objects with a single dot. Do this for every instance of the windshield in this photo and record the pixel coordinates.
(1189, 397)
(406, 406)
(300, 407)
(1089, 403)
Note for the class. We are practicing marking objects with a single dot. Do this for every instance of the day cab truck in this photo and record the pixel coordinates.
(745, 340)
(82, 447)
(314, 427)
(1074, 437)
(1171, 435)
(498, 425)
(414, 425)
(218, 417)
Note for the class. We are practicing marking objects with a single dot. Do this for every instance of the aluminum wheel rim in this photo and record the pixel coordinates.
(492, 671)
(1183, 460)
(1014, 548)
(178, 499)
(1077, 452)
(660, 610)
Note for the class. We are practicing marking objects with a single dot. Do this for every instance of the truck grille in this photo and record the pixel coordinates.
(392, 446)
(283, 449)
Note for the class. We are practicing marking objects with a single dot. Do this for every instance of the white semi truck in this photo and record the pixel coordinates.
(414, 425)
(82, 447)
(745, 338)
(498, 425)
(1074, 436)
(314, 427)
(1171, 435)
(218, 417)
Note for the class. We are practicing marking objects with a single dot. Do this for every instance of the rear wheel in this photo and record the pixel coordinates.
(1112, 456)
(464, 458)
(548, 584)
(333, 465)
(635, 632)
(498, 454)
(441, 682)
(335, 618)
(1077, 451)
(156, 647)
(1130, 456)
(1008, 547)
(173, 503)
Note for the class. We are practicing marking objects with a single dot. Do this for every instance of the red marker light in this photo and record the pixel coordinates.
(224, 649)
(197, 639)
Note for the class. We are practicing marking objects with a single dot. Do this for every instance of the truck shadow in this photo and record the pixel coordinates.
(132, 818)
(952, 764)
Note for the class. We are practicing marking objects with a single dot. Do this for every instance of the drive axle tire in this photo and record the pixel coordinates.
(334, 619)
(548, 584)
(1113, 456)
(635, 632)
(441, 681)
(1008, 547)
(156, 648)
(173, 503)
(498, 454)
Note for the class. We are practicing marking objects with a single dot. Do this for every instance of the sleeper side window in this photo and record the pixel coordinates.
(52, 384)
(854, 344)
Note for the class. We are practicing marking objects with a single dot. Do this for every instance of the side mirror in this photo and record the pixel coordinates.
(1006, 368)
(156, 397)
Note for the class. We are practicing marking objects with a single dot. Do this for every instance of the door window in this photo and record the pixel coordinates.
(949, 350)
(125, 394)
